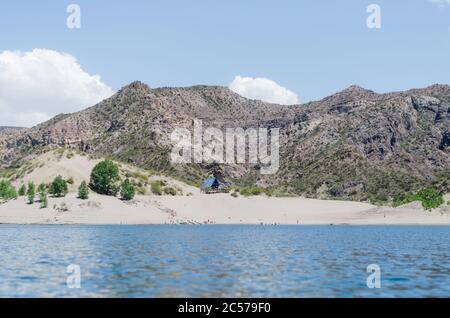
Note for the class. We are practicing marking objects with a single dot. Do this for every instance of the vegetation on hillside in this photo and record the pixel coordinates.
(42, 187)
(127, 190)
(160, 187)
(31, 192)
(59, 187)
(156, 187)
(7, 190)
(170, 191)
(83, 191)
(105, 178)
(22, 190)
(252, 191)
(430, 198)
(43, 198)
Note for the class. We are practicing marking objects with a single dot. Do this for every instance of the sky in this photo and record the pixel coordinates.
(280, 51)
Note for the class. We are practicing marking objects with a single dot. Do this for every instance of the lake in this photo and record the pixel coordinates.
(224, 261)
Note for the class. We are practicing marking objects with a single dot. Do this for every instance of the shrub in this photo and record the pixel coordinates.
(7, 190)
(246, 192)
(43, 198)
(430, 198)
(234, 194)
(156, 187)
(83, 191)
(31, 192)
(127, 191)
(104, 178)
(140, 176)
(256, 191)
(401, 199)
(62, 207)
(170, 191)
(22, 190)
(206, 189)
(42, 187)
(141, 190)
(70, 180)
(378, 198)
(59, 187)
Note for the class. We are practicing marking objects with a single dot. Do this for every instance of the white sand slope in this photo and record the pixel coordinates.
(211, 209)
(47, 166)
(225, 209)
(69, 164)
(97, 210)
(195, 208)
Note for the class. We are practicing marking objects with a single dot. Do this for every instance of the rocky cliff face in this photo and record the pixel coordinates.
(355, 144)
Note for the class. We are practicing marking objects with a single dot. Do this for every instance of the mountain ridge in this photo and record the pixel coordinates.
(355, 144)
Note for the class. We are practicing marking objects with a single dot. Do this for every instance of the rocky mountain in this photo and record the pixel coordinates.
(355, 144)
(7, 130)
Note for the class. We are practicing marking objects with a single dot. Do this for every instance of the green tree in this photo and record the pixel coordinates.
(31, 192)
(59, 188)
(7, 190)
(431, 198)
(22, 190)
(4, 188)
(42, 187)
(83, 191)
(105, 177)
(127, 191)
(43, 198)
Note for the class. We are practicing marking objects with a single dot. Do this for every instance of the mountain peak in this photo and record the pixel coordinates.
(433, 90)
(351, 93)
(136, 86)
(357, 89)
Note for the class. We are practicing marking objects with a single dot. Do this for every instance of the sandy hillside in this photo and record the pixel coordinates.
(72, 165)
(46, 167)
(189, 206)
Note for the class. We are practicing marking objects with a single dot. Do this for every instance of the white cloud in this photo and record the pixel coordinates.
(36, 85)
(263, 89)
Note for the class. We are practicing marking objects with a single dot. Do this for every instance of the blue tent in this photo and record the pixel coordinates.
(211, 183)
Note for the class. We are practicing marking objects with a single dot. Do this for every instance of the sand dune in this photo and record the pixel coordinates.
(211, 209)
(192, 207)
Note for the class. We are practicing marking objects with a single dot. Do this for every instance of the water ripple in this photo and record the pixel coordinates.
(224, 261)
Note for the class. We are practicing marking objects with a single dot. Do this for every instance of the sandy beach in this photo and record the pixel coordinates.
(214, 209)
(192, 207)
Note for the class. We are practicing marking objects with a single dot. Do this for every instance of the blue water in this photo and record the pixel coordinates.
(224, 261)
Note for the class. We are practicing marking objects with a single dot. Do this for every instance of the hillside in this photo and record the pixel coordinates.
(10, 130)
(354, 145)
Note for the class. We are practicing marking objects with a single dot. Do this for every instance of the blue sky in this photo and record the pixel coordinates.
(313, 48)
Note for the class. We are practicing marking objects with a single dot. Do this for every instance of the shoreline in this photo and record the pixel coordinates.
(217, 209)
(236, 224)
